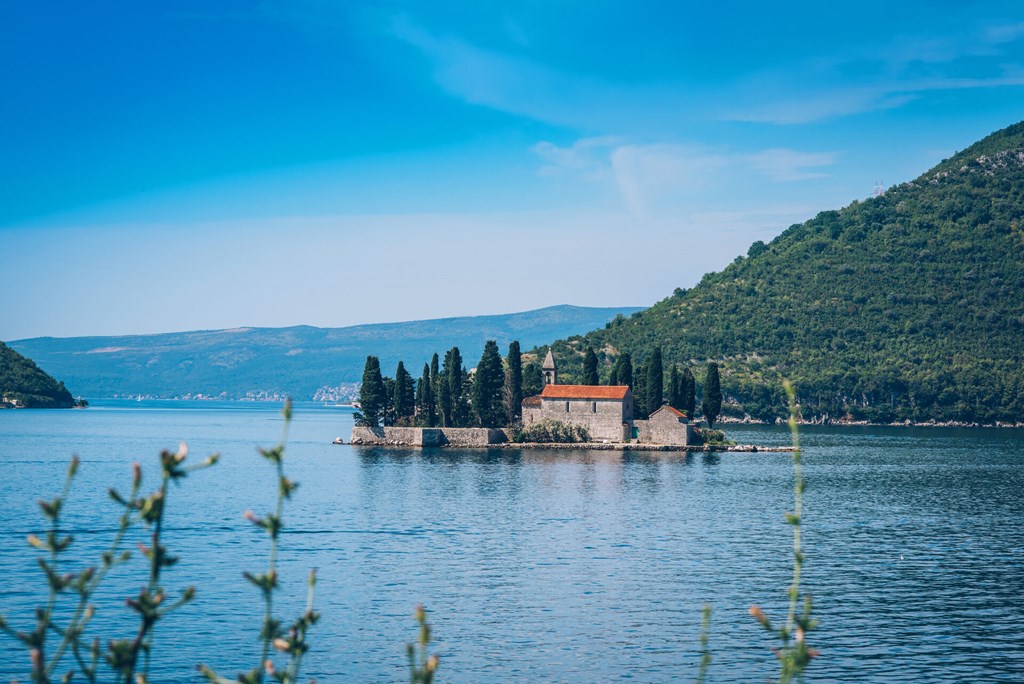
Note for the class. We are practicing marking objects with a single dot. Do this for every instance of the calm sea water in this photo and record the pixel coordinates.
(547, 566)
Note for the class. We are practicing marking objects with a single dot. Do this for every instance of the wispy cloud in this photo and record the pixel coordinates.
(881, 76)
(516, 83)
(645, 174)
(791, 165)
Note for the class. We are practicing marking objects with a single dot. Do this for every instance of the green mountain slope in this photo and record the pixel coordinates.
(905, 306)
(25, 383)
(286, 361)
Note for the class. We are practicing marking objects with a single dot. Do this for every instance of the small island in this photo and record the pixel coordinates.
(398, 412)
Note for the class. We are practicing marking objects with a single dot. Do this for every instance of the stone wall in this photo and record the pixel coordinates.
(426, 437)
(473, 436)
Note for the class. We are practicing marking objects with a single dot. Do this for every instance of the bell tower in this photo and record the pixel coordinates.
(550, 371)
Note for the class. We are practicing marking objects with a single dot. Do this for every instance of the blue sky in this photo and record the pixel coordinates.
(213, 164)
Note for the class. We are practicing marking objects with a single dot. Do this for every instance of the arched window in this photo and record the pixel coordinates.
(566, 407)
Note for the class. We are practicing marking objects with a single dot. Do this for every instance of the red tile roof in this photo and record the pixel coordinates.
(675, 412)
(532, 401)
(584, 391)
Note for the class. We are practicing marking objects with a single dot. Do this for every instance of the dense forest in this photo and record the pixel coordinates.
(905, 306)
(22, 381)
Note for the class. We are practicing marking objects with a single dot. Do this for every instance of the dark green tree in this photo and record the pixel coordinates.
(675, 388)
(712, 403)
(388, 415)
(371, 394)
(435, 386)
(455, 375)
(640, 392)
(590, 367)
(444, 402)
(625, 375)
(533, 379)
(435, 369)
(689, 390)
(487, 385)
(404, 401)
(655, 382)
(512, 392)
(426, 411)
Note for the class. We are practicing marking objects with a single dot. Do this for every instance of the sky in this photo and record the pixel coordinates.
(214, 164)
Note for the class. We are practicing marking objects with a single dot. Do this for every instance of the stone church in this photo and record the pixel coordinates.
(605, 410)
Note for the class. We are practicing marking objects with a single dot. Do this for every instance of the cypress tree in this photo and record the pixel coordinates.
(371, 394)
(444, 402)
(655, 382)
(675, 389)
(613, 374)
(640, 393)
(625, 371)
(404, 396)
(513, 390)
(435, 387)
(712, 403)
(455, 377)
(689, 393)
(426, 411)
(388, 414)
(533, 379)
(590, 367)
(487, 385)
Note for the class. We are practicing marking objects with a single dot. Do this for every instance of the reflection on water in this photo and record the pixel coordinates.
(564, 566)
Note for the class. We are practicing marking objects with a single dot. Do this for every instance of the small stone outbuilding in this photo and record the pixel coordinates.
(665, 426)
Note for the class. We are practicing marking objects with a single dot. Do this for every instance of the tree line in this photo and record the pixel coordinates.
(650, 388)
(447, 395)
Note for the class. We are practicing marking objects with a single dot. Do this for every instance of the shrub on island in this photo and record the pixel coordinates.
(553, 431)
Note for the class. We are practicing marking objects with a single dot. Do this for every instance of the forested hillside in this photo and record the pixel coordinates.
(22, 381)
(909, 305)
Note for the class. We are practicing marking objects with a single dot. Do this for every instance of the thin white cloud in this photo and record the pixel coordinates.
(586, 156)
(790, 165)
(646, 175)
(1004, 33)
(834, 103)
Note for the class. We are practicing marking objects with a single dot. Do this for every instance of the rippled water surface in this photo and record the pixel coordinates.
(548, 565)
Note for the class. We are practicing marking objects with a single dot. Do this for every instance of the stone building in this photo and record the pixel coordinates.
(606, 411)
(665, 426)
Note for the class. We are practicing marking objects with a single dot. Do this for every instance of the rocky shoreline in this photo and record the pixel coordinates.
(584, 446)
(746, 420)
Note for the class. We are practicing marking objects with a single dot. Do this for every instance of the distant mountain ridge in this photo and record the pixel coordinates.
(296, 361)
(906, 306)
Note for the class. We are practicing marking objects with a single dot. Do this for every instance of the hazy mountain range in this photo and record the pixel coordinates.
(296, 361)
